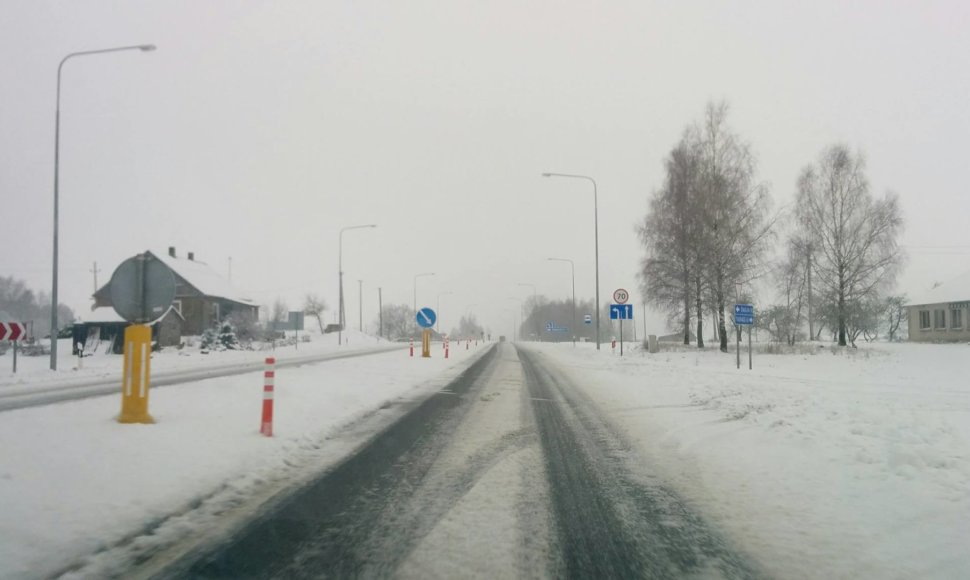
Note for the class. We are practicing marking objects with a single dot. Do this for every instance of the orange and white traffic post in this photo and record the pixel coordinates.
(269, 381)
(412, 347)
(446, 348)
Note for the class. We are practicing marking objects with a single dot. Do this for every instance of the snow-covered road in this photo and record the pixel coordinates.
(508, 472)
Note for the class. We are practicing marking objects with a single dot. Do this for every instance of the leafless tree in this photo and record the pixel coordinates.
(280, 313)
(397, 321)
(669, 274)
(732, 208)
(896, 314)
(791, 283)
(855, 237)
(315, 307)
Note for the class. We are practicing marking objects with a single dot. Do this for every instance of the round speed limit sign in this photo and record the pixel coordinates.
(621, 296)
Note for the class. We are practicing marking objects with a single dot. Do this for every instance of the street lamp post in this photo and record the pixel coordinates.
(340, 270)
(57, 171)
(572, 267)
(438, 309)
(596, 230)
(515, 329)
(535, 304)
(414, 320)
(360, 305)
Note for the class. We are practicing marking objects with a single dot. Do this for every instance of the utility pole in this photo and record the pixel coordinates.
(811, 320)
(380, 316)
(360, 302)
(94, 270)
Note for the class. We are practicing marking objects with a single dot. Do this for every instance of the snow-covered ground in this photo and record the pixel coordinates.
(74, 482)
(847, 465)
(33, 372)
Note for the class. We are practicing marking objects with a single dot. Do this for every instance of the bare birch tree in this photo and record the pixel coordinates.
(732, 210)
(856, 254)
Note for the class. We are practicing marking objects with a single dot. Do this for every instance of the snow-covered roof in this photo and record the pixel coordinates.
(954, 290)
(102, 314)
(203, 278)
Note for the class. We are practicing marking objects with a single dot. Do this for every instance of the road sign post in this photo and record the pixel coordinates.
(621, 312)
(137, 373)
(426, 318)
(743, 316)
(142, 289)
(14, 332)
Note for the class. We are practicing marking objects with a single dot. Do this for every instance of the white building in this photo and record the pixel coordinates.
(941, 315)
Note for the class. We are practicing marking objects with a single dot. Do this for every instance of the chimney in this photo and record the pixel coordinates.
(171, 251)
(192, 255)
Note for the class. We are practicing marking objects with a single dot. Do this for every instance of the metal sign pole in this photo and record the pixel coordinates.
(739, 347)
(749, 348)
(621, 337)
(15, 356)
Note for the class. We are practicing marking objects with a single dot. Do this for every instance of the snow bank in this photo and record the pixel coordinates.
(73, 481)
(33, 372)
(845, 465)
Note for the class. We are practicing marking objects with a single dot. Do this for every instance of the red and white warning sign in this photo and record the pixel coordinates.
(13, 331)
(620, 296)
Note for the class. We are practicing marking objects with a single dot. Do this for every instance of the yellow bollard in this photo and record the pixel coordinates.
(135, 380)
(426, 343)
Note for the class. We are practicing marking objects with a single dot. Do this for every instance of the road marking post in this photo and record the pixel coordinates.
(412, 347)
(136, 375)
(426, 343)
(446, 348)
(269, 382)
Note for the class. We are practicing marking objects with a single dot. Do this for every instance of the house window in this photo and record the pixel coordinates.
(956, 319)
(939, 319)
(177, 305)
(924, 319)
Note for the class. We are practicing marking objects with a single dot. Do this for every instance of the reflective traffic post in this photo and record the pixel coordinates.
(137, 374)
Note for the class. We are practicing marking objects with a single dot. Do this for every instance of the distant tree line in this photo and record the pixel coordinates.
(22, 304)
(709, 227)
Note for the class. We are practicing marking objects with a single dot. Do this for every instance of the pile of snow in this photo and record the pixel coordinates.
(73, 481)
(842, 464)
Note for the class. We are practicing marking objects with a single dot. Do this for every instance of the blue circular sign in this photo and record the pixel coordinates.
(426, 317)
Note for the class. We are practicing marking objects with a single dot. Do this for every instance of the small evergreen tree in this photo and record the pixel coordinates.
(209, 339)
(227, 337)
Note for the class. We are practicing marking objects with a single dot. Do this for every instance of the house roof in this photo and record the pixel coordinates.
(953, 290)
(201, 276)
(107, 314)
(101, 314)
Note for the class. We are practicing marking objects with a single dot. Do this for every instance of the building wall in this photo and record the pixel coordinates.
(956, 327)
(168, 332)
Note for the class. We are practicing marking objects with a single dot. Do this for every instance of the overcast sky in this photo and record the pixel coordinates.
(258, 129)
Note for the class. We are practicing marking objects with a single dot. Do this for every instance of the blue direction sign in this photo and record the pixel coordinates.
(621, 311)
(553, 327)
(426, 317)
(744, 314)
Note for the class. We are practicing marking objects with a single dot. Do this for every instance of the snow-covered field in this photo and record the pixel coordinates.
(74, 482)
(33, 372)
(846, 465)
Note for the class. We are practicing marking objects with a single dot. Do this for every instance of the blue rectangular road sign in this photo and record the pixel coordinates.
(744, 314)
(621, 311)
(553, 327)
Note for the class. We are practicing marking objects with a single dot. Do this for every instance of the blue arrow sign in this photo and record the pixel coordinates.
(426, 317)
(744, 314)
(621, 311)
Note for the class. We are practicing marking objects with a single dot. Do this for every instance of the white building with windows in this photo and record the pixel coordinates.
(941, 315)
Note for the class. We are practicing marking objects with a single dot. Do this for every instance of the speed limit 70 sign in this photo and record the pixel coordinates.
(620, 296)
